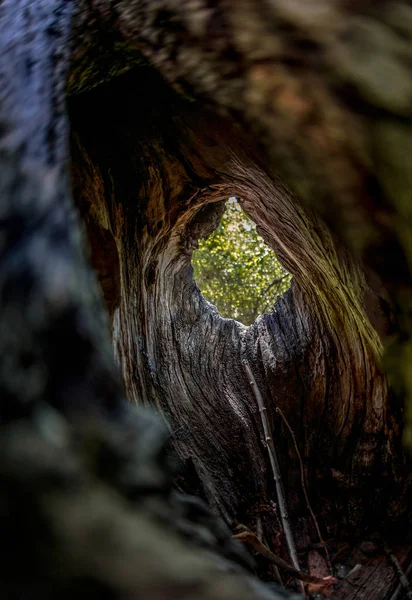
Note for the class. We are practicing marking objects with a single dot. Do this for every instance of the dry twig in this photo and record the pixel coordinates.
(290, 543)
(302, 479)
(322, 584)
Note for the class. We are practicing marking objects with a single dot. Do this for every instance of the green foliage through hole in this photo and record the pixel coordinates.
(236, 271)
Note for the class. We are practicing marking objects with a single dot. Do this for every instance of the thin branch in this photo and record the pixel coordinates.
(248, 537)
(290, 543)
(403, 579)
(302, 479)
(274, 282)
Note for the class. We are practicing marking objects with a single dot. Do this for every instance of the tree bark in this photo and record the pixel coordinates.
(173, 107)
(316, 356)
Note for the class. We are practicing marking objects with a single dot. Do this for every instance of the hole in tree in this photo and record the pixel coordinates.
(236, 270)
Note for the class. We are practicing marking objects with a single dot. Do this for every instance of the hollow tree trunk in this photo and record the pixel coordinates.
(316, 356)
(271, 106)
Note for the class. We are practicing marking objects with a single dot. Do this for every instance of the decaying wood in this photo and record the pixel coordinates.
(307, 80)
(317, 356)
(400, 587)
(146, 116)
(403, 579)
(374, 580)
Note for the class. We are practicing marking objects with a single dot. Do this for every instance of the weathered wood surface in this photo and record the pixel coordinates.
(74, 487)
(369, 579)
(326, 89)
(282, 104)
(365, 582)
(316, 356)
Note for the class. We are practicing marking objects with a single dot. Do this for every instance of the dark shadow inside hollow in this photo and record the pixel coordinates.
(150, 172)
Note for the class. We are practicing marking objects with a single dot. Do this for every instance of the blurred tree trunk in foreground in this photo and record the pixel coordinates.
(146, 116)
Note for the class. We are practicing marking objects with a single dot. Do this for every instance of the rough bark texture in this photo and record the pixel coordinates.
(326, 88)
(281, 104)
(316, 356)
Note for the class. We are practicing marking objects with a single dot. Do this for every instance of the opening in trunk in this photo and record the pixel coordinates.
(236, 270)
